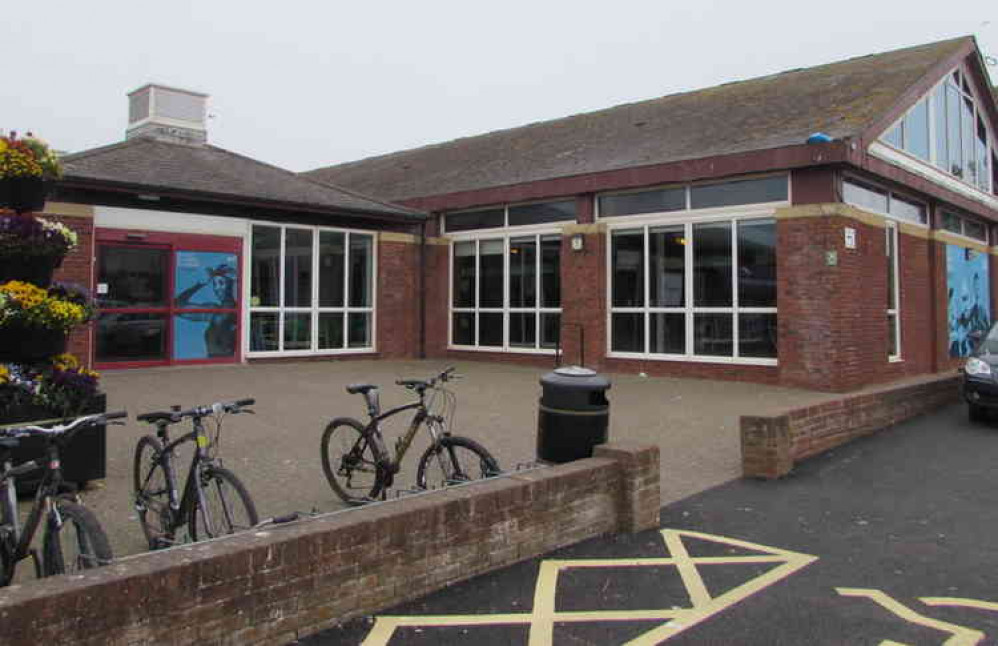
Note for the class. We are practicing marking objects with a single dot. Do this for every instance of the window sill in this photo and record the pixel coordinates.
(738, 361)
(307, 353)
(500, 350)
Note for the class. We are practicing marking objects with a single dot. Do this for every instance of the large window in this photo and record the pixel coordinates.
(512, 215)
(695, 290)
(506, 292)
(761, 190)
(949, 129)
(878, 200)
(965, 226)
(312, 290)
(893, 294)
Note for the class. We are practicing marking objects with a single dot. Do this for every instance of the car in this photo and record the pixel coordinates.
(980, 375)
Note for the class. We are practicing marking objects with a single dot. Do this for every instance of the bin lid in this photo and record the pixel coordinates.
(575, 378)
(574, 371)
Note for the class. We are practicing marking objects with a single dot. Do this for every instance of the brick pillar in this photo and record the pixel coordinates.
(437, 295)
(583, 297)
(77, 268)
(640, 490)
(398, 295)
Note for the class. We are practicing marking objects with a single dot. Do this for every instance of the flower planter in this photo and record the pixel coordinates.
(37, 270)
(23, 194)
(21, 343)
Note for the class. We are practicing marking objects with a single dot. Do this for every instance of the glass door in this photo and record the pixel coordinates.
(132, 296)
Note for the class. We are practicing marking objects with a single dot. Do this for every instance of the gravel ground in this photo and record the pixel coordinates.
(276, 451)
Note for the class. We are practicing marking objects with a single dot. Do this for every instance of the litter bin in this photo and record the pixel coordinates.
(574, 414)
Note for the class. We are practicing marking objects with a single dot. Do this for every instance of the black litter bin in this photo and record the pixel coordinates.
(574, 414)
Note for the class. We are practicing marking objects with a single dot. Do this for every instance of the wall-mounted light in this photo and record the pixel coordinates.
(578, 242)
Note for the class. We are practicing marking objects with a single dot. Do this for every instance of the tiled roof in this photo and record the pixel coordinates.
(203, 169)
(840, 99)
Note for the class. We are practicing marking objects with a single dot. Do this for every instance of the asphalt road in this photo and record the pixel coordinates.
(888, 540)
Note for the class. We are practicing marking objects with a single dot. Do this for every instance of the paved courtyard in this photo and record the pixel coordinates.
(276, 451)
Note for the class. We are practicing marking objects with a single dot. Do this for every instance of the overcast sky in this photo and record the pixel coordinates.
(309, 84)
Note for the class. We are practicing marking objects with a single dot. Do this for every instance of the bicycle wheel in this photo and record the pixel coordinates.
(350, 463)
(453, 460)
(78, 544)
(152, 493)
(228, 507)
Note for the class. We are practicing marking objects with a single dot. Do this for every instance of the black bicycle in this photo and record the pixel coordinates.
(74, 539)
(214, 501)
(358, 465)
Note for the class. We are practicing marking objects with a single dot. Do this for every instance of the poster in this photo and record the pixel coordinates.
(968, 289)
(205, 280)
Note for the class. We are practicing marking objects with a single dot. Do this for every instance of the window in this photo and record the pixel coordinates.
(965, 226)
(893, 294)
(695, 289)
(514, 215)
(312, 290)
(698, 196)
(506, 292)
(879, 200)
(949, 129)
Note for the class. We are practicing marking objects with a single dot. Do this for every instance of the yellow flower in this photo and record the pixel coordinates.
(4, 373)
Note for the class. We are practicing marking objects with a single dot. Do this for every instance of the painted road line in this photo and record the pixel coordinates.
(961, 635)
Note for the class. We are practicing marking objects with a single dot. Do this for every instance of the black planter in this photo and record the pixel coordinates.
(37, 270)
(84, 457)
(23, 194)
(20, 343)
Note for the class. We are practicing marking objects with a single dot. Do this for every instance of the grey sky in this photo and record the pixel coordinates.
(307, 84)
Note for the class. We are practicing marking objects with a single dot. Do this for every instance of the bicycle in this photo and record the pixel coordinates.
(359, 467)
(215, 502)
(74, 539)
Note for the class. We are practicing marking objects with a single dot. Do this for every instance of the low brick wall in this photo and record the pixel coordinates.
(771, 445)
(280, 583)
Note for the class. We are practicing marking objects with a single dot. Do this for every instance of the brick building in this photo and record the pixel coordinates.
(829, 227)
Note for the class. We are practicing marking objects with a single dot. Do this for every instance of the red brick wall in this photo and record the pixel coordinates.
(437, 295)
(583, 300)
(77, 268)
(397, 308)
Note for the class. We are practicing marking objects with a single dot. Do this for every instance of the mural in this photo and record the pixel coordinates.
(969, 297)
(205, 280)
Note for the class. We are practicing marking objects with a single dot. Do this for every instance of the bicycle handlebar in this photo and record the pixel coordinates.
(175, 415)
(445, 376)
(60, 429)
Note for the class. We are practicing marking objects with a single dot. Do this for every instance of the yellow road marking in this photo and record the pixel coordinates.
(961, 635)
(958, 602)
(687, 570)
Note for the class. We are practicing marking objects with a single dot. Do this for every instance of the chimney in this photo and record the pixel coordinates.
(168, 114)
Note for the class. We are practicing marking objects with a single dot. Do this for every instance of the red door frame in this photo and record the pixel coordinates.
(172, 243)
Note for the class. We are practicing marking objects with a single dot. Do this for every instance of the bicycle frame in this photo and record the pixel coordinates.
(402, 444)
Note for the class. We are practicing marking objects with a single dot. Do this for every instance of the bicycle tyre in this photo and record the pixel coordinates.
(346, 454)
(445, 463)
(81, 538)
(230, 507)
(152, 493)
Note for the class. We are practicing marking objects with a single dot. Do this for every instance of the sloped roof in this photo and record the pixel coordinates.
(152, 165)
(840, 99)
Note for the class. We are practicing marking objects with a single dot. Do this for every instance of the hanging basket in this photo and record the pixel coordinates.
(23, 194)
(37, 270)
(23, 343)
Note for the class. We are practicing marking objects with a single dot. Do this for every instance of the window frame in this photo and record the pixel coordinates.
(688, 210)
(505, 207)
(314, 309)
(892, 239)
(890, 195)
(963, 219)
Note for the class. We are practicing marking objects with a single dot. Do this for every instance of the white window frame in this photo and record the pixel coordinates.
(890, 196)
(314, 309)
(483, 235)
(963, 226)
(892, 240)
(690, 309)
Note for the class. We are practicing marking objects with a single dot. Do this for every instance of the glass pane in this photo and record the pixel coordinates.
(939, 120)
(976, 230)
(205, 280)
(297, 268)
(464, 328)
(891, 251)
(628, 333)
(712, 335)
(550, 330)
(907, 210)
(265, 267)
(359, 329)
(476, 220)
(523, 272)
(746, 191)
(953, 130)
(983, 172)
(967, 140)
(551, 271)
(491, 252)
(712, 264)
(330, 330)
(490, 329)
(864, 197)
(522, 330)
(538, 213)
(332, 254)
(757, 335)
(668, 334)
(892, 335)
(135, 277)
(263, 332)
(667, 266)
(893, 136)
(660, 201)
(464, 274)
(916, 130)
(204, 335)
(757, 263)
(952, 222)
(297, 331)
(361, 274)
(131, 337)
(628, 267)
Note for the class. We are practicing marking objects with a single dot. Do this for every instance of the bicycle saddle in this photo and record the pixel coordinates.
(9, 442)
(363, 389)
(158, 416)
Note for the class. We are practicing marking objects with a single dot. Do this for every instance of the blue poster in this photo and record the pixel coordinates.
(969, 290)
(205, 280)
